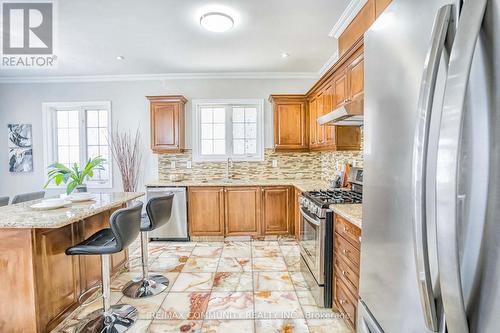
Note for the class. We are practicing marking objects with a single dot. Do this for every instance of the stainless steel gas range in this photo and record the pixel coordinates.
(316, 235)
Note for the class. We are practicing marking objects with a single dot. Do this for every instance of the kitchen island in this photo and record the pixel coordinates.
(40, 283)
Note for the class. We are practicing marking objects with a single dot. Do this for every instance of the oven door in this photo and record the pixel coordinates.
(312, 247)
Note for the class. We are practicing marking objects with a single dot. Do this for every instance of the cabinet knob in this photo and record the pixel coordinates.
(345, 251)
(345, 229)
(344, 273)
(342, 301)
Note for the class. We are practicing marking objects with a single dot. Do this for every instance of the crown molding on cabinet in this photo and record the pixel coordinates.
(346, 18)
(329, 63)
(160, 77)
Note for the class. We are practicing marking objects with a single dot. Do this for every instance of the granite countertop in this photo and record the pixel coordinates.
(22, 216)
(351, 212)
(301, 184)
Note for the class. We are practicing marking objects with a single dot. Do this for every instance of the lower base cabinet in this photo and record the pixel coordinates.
(239, 210)
(242, 209)
(347, 244)
(276, 210)
(206, 211)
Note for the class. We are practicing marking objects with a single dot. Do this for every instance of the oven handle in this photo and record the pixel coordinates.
(308, 218)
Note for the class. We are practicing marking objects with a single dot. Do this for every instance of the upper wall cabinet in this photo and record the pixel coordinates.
(167, 123)
(361, 23)
(290, 122)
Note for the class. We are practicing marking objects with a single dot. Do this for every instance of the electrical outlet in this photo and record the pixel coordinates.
(172, 165)
(189, 165)
(275, 163)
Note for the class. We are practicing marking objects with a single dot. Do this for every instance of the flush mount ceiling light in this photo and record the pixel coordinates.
(285, 55)
(216, 22)
(120, 57)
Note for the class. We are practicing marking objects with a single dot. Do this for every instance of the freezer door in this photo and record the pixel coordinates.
(468, 173)
(483, 313)
(395, 53)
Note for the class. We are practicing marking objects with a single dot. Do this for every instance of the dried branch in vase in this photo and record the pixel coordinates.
(125, 149)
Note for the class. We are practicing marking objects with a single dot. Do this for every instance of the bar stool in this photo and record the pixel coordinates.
(4, 201)
(159, 210)
(28, 197)
(125, 226)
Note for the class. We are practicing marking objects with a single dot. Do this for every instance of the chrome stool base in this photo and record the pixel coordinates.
(150, 286)
(122, 317)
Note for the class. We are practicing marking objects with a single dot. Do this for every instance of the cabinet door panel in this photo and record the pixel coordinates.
(57, 273)
(312, 122)
(290, 126)
(320, 130)
(165, 125)
(276, 210)
(340, 89)
(356, 78)
(242, 210)
(206, 211)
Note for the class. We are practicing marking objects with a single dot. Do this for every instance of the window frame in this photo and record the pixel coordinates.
(228, 104)
(49, 126)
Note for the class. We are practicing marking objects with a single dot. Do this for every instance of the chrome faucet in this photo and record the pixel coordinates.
(229, 163)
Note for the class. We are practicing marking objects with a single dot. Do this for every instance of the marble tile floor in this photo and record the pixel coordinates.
(225, 287)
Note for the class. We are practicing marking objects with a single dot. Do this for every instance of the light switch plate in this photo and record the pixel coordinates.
(172, 165)
(189, 165)
(275, 163)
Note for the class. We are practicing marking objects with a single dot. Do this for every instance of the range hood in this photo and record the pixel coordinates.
(350, 114)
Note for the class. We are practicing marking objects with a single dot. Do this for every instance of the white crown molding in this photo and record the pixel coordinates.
(346, 18)
(329, 63)
(160, 77)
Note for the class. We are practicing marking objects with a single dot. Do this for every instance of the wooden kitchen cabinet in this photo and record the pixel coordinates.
(276, 210)
(347, 244)
(380, 6)
(206, 211)
(313, 125)
(290, 122)
(356, 77)
(242, 210)
(167, 123)
(341, 91)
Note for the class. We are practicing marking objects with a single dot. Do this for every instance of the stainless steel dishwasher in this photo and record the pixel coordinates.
(176, 228)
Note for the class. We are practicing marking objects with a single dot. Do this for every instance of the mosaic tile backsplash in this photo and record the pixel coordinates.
(309, 165)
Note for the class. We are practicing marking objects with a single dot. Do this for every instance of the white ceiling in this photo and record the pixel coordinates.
(164, 36)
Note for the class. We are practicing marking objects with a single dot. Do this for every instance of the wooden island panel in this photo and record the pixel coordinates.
(42, 282)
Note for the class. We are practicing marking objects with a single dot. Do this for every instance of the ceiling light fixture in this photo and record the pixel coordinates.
(285, 55)
(216, 22)
(120, 57)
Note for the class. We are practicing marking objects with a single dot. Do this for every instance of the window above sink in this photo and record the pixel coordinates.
(225, 129)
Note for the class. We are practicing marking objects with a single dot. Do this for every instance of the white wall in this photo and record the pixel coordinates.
(22, 103)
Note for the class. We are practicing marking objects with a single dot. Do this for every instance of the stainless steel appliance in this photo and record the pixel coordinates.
(430, 254)
(316, 235)
(176, 228)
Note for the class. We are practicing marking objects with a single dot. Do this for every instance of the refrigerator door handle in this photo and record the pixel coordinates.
(420, 145)
(461, 57)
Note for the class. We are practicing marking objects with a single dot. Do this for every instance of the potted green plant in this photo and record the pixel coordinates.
(74, 177)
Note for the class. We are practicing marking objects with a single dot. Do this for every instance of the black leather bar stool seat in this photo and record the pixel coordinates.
(159, 210)
(124, 229)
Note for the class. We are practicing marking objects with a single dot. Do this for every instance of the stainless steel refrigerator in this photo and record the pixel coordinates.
(430, 248)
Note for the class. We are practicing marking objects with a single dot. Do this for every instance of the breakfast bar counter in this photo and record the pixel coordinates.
(40, 283)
